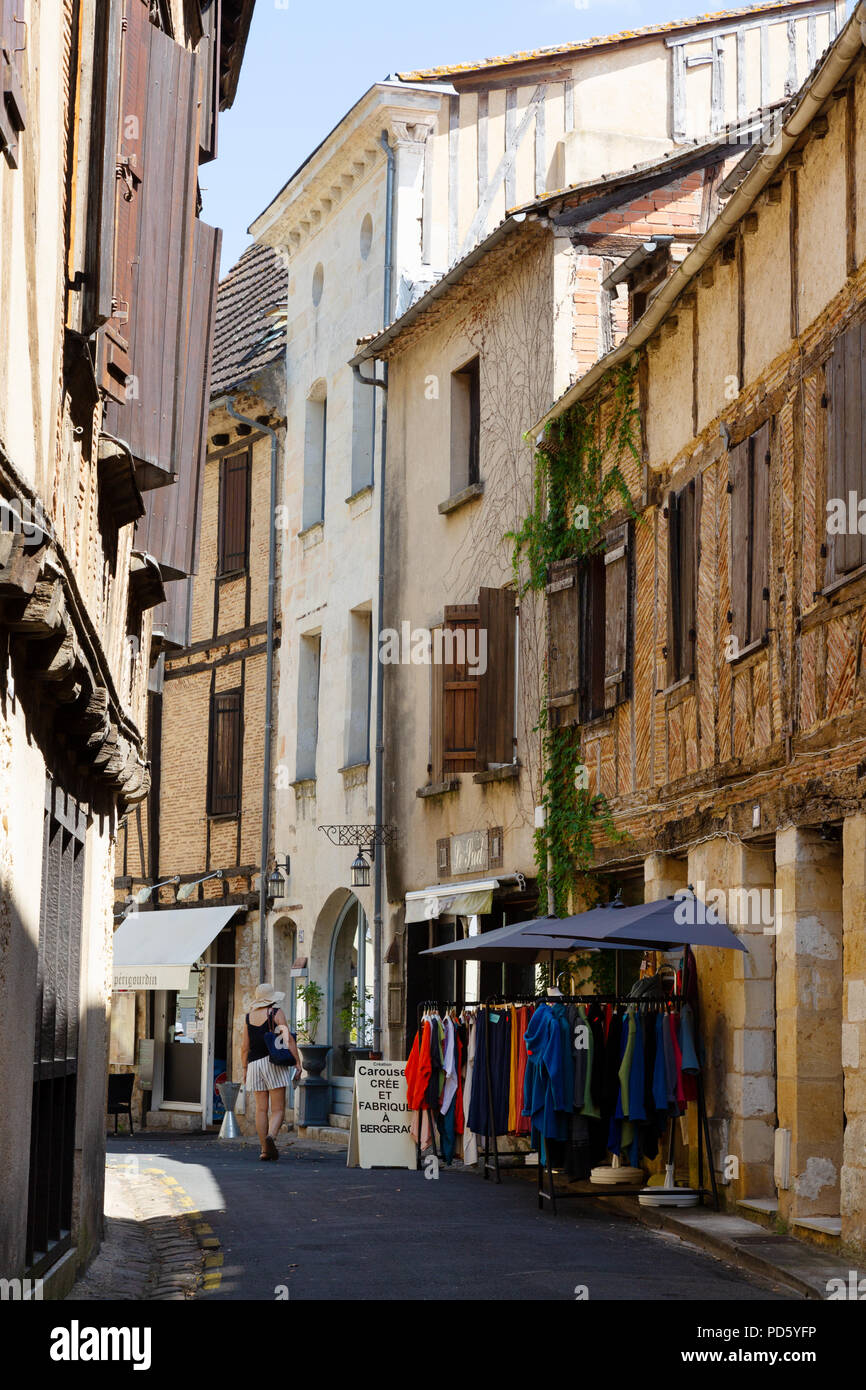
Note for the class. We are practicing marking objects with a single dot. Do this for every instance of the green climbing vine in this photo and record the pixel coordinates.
(578, 484)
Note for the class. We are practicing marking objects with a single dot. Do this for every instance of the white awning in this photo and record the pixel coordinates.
(155, 950)
(452, 899)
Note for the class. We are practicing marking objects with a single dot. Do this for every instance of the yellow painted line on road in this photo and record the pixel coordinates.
(212, 1275)
(213, 1261)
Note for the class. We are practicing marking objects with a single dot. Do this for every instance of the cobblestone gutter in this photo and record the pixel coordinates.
(155, 1244)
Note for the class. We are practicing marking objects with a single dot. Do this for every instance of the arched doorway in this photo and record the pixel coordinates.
(350, 978)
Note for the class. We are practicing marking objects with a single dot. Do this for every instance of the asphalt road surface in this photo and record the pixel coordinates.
(309, 1228)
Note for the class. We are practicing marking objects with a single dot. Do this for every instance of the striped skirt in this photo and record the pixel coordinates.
(265, 1075)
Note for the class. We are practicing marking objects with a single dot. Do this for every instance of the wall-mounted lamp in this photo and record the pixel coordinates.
(360, 870)
(143, 894)
(276, 882)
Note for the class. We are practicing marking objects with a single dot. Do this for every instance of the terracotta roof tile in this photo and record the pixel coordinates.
(247, 337)
(623, 36)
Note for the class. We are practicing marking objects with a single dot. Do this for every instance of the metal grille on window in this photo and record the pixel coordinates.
(55, 1063)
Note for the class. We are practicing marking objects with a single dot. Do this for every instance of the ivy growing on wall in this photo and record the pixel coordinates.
(578, 485)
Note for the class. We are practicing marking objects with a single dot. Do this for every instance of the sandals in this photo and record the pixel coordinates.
(271, 1150)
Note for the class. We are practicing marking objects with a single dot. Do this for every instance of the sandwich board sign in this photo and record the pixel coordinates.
(380, 1134)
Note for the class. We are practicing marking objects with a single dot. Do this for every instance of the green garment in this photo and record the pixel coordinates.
(588, 1108)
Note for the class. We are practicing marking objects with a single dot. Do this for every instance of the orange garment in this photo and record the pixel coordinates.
(418, 1069)
(524, 1014)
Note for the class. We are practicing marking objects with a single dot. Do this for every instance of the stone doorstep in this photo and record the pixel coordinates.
(325, 1134)
(802, 1267)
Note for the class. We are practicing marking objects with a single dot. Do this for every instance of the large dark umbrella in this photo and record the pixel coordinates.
(676, 921)
(516, 944)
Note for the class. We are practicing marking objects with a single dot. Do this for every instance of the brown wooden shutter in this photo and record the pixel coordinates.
(209, 79)
(148, 414)
(437, 715)
(98, 296)
(460, 714)
(593, 635)
(234, 512)
(563, 637)
(759, 548)
(684, 525)
(846, 463)
(121, 214)
(225, 753)
(13, 109)
(739, 472)
(496, 617)
(616, 610)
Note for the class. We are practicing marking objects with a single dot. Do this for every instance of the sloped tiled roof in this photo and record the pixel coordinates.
(247, 336)
(624, 36)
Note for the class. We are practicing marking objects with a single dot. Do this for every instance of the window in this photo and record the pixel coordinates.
(315, 450)
(360, 672)
(55, 1062)
(226, 744)
(465, 426)
(683, 509)
(234, 513)
(473, 686)
(589, 631)
(846, 450)
(749, 489)
(363, 434)
(13, 42)
(309, 673)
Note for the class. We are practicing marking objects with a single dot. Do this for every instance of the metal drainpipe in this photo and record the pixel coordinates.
(378, 862)
(269, 684)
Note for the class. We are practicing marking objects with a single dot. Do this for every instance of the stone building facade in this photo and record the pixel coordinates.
(199, 831)
(453, 149)
(83, 489)
(732, 756)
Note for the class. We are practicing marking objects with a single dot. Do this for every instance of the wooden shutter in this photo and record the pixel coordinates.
(739, 484)
(759, 548)
(460, 712)
(98, 295)
(683, 528)
(593, 635)
(13, 110)
(846, 462)
(125, 150)
(225, 753)
(208, 53)
(563, 635)
(147, 413)
(437, 715)
(616, 611)
(496, 617)
(234, 510)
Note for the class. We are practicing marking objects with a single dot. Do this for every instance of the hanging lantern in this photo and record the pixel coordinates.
(360, 871)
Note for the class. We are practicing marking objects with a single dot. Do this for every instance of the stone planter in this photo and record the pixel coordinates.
(314, 1091)
(359, 1054)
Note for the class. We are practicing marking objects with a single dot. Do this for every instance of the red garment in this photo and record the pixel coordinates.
(418, 1069)
(524, 1014)
(459, 1119)
(678, 1058)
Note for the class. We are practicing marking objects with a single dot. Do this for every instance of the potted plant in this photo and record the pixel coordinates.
(355, 1024)
(315, 1089)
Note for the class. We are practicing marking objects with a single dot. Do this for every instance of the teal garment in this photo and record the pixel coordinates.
(690, 1062)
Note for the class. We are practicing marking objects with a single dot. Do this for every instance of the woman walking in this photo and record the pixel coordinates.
(261, 1074)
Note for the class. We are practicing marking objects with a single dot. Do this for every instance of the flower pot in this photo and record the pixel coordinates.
(314, 1090)
(359, 1054)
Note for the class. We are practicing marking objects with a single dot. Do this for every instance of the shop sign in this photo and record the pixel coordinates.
(469, 853)
(380, 1134)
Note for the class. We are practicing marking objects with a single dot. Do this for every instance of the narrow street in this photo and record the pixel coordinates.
(309, 1228)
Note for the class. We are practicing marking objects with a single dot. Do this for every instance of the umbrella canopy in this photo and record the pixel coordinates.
(519, 942)
(683, 920)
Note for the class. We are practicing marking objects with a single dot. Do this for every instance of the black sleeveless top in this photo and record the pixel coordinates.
(258, 1046)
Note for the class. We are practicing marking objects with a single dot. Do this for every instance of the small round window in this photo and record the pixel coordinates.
(366, 236)
(318, 282)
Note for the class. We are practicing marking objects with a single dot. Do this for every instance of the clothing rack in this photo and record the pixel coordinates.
(492, 1158)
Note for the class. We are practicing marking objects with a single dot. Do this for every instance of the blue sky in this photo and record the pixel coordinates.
(307, 63)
